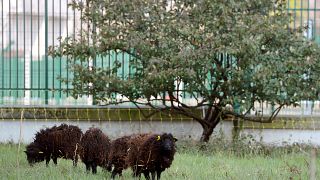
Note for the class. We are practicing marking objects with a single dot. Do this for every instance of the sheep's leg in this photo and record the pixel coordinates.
(109, 167)
(137, 175)
(47, 160)
(55, 160)
(153, 175)
(136, 171)
(113, 174)
(75, 161)
(146, 175)
(87, 167)
(159, 174)
(94, 168)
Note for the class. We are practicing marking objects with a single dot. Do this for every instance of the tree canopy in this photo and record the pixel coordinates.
(229, 52)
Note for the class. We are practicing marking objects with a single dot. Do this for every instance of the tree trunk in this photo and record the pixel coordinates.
(235, 130)
(206, 133)
(213, 119)
(237, 127)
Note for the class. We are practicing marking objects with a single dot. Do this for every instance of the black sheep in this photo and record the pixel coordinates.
(119, 152)
(117, 156)
(56, 142)
(151, 154)
(94, 149)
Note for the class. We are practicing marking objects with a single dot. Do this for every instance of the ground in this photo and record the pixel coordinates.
(191, 162)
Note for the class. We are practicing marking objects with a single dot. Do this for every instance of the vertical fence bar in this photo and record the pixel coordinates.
(67, 64)
(81, 22)
(53, 69)
(60, 69)
(74, 36)
(301, 13)
(81, 39)
(123, 69)
(46, 51)
(31, 44)
(295, 14)
(17, 50)
(109, 58)
(24, 47)
(288, 6)
(102, 61)
(101, 56)
(315, 19)
(2, 52)
(88, 30)
(39, 49)
(10, 48)
(129, 70)
(93, 34)
(89, 60)
(308, 18)
(115, 61)
(109, 62)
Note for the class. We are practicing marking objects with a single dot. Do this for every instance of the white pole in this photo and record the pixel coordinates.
(27, 80)
(313, 158)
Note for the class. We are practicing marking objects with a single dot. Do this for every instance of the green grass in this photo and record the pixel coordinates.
(190, 163)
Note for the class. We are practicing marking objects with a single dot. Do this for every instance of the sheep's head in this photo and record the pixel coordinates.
(167, 141)
(34, 154)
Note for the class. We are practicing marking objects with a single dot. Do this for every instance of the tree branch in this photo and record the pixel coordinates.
(260, 119)
(189, 114)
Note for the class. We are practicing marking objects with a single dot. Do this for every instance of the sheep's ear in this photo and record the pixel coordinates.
(175, 139)
(158, 138)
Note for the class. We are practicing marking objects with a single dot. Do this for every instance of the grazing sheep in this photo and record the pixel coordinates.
(152, 153)
(117, 156)
(135, 145)
(94, 149)
(119, 153)
(56, 142)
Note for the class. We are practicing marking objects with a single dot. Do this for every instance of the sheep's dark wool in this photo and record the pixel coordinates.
(94, 149)
(56, 142)
(135, 145)
(151, 154)
(118, 154)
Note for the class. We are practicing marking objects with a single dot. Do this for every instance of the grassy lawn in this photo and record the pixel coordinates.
(189, 163)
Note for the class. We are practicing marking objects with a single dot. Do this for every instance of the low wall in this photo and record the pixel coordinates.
(134, 114)
(103, 114)
(14, 130)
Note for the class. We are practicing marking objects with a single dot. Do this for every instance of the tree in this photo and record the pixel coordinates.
(223, 53)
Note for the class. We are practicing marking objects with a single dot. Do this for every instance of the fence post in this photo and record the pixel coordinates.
(2, 55)
(313, 162)
(46, 51)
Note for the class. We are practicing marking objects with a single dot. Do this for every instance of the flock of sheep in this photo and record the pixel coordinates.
(144, 153)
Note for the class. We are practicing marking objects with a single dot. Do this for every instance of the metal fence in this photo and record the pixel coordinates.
(28, 76)
(306, 12)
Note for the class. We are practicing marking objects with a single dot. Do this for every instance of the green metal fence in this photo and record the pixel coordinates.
(27, 74)
(306, 12)
(28, 27)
